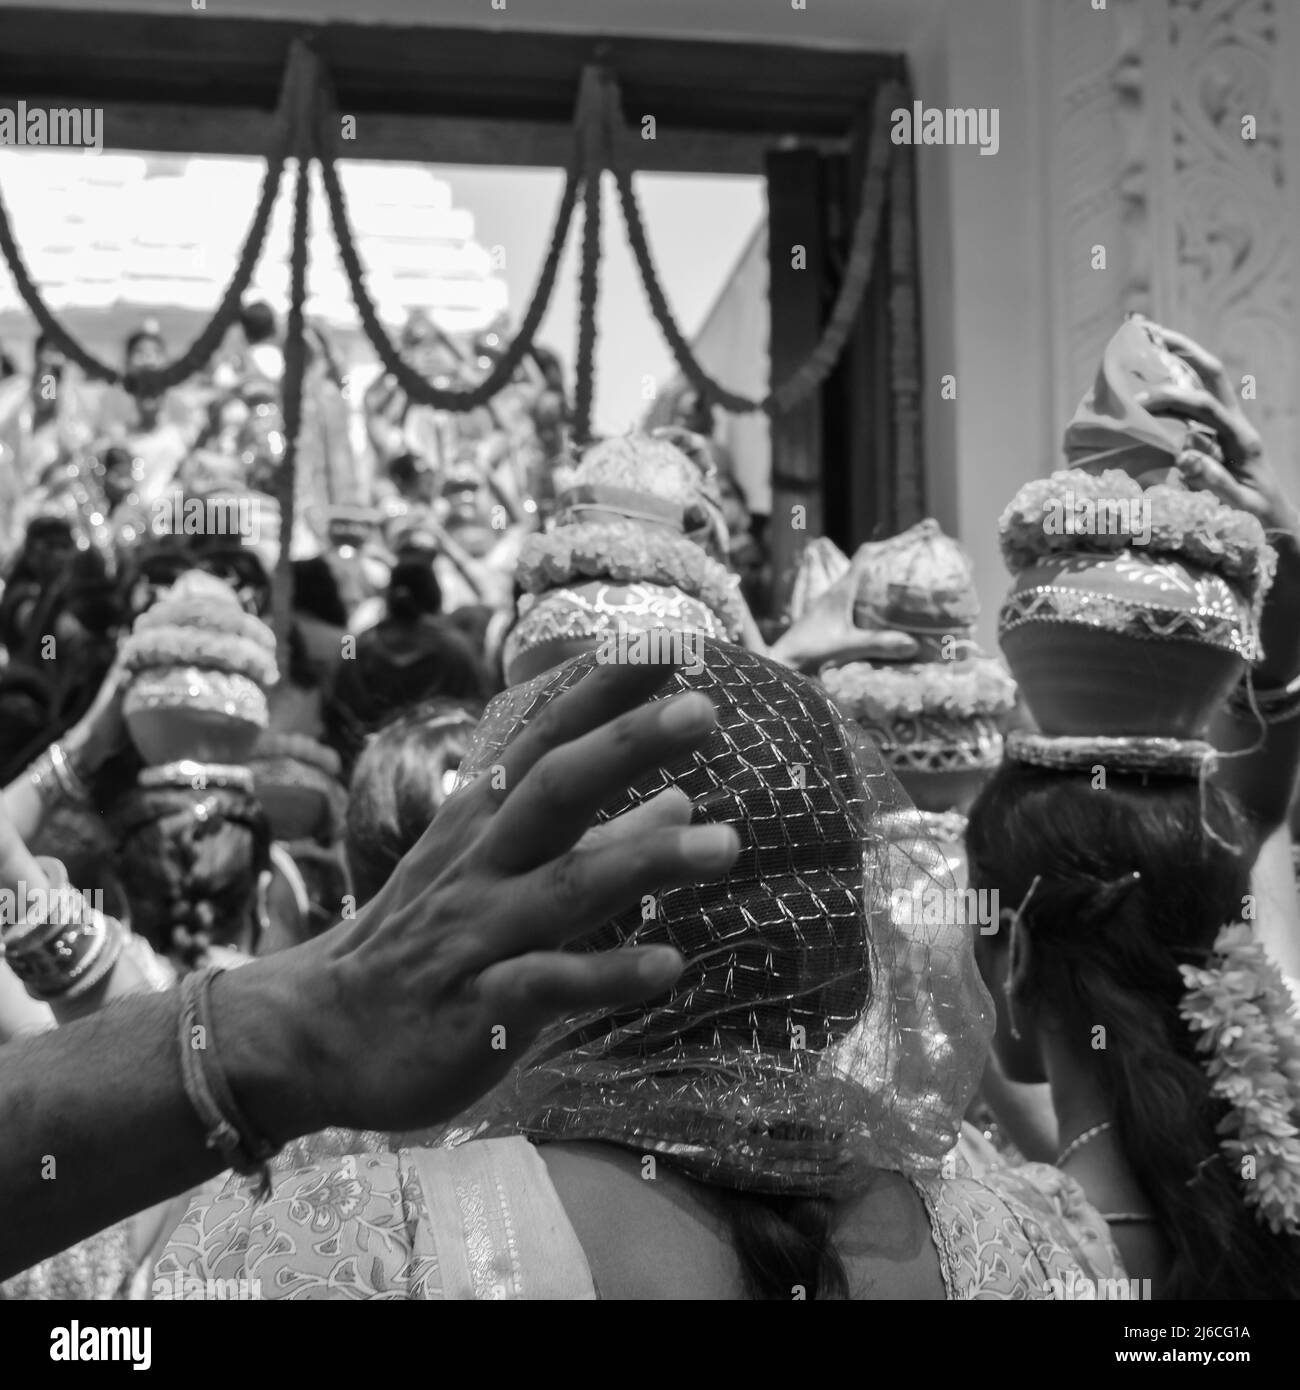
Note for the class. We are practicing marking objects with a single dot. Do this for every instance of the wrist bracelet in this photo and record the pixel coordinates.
(68, 778)
(69, 961)
(54, 777)
(225, 1128)
(70, 949)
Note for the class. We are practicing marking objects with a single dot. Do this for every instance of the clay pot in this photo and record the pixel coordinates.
(1112, 646)
(941, 763)
(943, 791)
(295, 811)
(184, 712)
(297, 782)
(566, 622)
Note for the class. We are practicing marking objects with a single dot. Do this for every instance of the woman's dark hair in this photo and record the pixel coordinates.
(189, 863)
(1106, 950)
(302, 669)
(398, 786)
(413, 589)
(784, 1243)
(316, 591)
(91, 594)
(257, 321)
(404, 470)
(143, 335)
(395, 665)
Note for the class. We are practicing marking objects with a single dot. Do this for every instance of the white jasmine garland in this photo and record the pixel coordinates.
(1250, 1035)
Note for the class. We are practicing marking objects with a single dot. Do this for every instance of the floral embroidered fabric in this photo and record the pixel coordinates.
(483, 1221)
(1017, 1234)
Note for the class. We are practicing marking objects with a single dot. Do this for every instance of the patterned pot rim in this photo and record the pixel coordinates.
(189, 688)
(588, 613)
(973, 745)
(1173, 757)
(1053, 604)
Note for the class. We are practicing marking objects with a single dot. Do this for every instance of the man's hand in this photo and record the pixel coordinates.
(421, 1005)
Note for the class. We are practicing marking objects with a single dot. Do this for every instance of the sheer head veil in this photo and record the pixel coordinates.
(827, 1024)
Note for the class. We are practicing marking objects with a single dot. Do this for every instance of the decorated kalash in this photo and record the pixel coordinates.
(1135, 606)
(1131, 625)
(938, 719)
(937, 712)
(636, 551)
(200, 667)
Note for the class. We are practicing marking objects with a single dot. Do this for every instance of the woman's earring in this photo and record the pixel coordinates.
(1011, 1012)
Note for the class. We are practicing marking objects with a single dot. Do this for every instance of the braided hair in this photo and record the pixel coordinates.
(189, 862)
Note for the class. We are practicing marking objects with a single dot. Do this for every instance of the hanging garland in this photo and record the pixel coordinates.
(295, 90)
(295, 362)
(588, 299)
(821, 361)
(421, 391)
(305, 78)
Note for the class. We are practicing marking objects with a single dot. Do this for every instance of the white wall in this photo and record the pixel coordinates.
(984, 281)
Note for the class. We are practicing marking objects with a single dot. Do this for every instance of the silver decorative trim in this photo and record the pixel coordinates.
(1049, 603)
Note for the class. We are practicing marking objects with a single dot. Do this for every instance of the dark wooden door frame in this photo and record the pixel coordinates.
(199, 83)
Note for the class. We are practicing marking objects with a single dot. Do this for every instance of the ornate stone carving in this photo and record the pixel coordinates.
(1149, 159)
(1233, 199)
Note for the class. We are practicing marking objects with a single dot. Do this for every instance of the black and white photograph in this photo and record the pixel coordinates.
(649, 652)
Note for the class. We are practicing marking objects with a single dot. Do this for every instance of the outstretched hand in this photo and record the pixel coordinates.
(424, 1001)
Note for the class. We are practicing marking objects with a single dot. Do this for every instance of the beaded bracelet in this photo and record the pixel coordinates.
(224, 1124)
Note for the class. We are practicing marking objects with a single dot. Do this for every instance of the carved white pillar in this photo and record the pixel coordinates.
(1228, 229)
(1175, 146)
